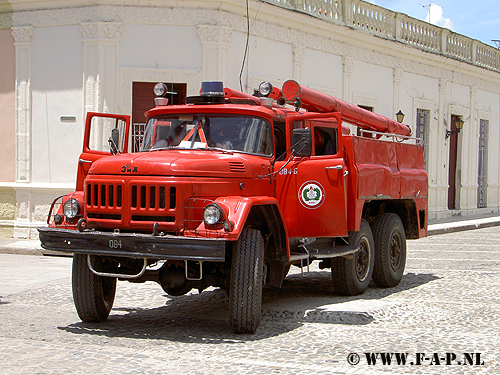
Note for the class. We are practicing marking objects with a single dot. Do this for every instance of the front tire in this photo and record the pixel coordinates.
(245, 290)
(390, 249)
(93, 295)
(351, 277)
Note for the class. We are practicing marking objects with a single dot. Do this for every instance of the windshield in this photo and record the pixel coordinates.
(231, 133)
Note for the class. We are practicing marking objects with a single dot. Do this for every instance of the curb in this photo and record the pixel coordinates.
(436, 229)
(21, 247)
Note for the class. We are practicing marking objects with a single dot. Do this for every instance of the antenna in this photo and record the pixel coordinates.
(425, 6)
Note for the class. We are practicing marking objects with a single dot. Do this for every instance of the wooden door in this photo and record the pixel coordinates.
(452, 166)
(143, 100)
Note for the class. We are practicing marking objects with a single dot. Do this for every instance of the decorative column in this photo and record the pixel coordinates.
(347, 70)
(298, 60)
(22, 42)
(470, 156)
(100, 65)
(442, 154)
(215, 42)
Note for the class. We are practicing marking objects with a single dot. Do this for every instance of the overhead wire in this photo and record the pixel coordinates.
(246, 46)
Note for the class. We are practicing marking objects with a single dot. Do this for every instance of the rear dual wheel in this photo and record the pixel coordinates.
(390, 250)
(352, 276)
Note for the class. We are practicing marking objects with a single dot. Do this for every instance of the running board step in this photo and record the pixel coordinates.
(324, 252)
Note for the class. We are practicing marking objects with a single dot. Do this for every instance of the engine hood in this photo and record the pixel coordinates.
(184, 163)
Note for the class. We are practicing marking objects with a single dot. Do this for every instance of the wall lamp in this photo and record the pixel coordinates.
(459, 124)
(400, 116)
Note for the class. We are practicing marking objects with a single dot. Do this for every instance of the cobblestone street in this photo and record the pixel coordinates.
(446, 305)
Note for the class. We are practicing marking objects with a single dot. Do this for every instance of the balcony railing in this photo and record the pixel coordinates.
(391, 25)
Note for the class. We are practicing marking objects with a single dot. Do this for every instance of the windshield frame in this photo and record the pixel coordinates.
(193, 141)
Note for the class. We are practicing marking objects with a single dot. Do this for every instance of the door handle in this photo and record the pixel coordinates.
(337, 167)
(84, 161)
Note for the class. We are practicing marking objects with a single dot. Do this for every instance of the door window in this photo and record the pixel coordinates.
(325, 141)
(101, 129)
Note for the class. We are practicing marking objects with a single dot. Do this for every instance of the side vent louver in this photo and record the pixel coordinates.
(236, 166)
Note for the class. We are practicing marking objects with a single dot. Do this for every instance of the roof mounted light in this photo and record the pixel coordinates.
(212, 92)
(265, 89)
(212, 88)
(160, 89)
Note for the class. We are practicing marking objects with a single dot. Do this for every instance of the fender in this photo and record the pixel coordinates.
(239, 212)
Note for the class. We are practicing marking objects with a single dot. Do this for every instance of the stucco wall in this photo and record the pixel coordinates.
(56, 84)
(8, 133)
(7, 106)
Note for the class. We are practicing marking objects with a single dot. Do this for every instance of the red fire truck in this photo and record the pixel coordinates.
(230, 189)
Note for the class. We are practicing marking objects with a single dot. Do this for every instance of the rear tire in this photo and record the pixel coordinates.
(93, 295)
(245, 290)
(352, 276)
(390, 250)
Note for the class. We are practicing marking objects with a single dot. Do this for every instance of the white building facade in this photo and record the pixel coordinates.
(60, 60)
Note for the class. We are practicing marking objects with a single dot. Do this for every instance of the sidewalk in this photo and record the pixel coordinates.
(449, 225)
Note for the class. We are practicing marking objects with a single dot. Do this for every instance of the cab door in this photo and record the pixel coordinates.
(105, 134)
(316, 185)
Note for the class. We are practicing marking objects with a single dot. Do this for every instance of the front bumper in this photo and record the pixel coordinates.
(133, 245)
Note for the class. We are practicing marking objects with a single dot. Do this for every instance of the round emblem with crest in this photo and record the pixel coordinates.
(311, 194)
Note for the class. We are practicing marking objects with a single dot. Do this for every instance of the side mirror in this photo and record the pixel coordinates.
(301, 142)
(114, 140)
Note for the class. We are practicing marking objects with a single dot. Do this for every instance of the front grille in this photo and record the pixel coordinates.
(132, 203)
(153, 218)
(149, 196)
(104, 195)
(93, 215)
(104, 200)
(149, 202)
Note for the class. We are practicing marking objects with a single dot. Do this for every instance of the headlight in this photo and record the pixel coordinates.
(160, 89)
(71, 208)
(212, 214)
(265, 88)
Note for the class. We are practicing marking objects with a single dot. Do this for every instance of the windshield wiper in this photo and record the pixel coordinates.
(160, 148)
(217, 149)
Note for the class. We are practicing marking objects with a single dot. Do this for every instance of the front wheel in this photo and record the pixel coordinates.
(93, 295)
(352, 276)
(245, 289)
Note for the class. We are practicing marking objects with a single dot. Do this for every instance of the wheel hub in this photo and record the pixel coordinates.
(362, 260)
(395, 251)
